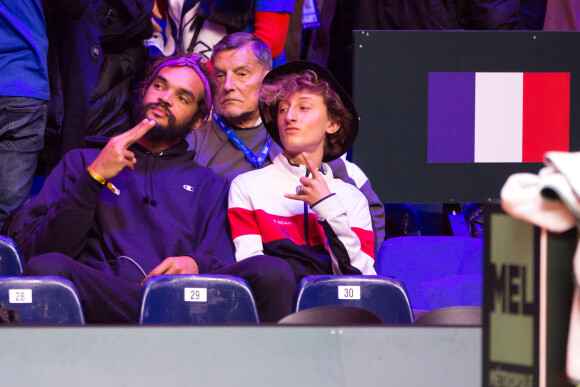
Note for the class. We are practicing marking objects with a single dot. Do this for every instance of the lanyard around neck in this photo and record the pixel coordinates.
(257, 161)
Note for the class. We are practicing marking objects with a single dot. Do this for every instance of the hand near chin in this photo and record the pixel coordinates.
(115, 156)
(314, 188)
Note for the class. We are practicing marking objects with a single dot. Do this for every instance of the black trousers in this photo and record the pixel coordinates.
(107, 298)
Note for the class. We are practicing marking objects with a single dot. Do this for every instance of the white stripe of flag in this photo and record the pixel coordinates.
(498, 117)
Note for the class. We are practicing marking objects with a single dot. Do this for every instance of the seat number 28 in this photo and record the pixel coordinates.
(20, 296)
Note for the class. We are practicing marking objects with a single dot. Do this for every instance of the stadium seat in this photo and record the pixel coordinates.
(452, 316)
(332, 315)
(10, 262)
(458, 224)
(438, 271)
(401, 219)
(473, 213)
(42, 300)
(384, 296)
(197, 299)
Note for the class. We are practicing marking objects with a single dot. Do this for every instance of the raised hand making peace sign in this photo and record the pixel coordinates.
(314, 188)
(115, 156)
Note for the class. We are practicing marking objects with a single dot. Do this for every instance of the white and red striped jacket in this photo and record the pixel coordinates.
(335, 235)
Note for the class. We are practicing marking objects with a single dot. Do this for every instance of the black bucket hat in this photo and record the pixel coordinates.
(301, 66)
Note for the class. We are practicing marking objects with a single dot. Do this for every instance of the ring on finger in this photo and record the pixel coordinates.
(300, 190)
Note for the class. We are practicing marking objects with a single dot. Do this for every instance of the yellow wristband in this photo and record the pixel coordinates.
(96, 176)
(103, 181)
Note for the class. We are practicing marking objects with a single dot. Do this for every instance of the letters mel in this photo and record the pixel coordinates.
(510, 304)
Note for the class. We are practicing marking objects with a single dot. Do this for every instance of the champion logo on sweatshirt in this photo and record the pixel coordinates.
(497, 117)
(188, 188)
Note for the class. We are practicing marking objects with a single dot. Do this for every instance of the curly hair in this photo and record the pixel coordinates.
(283, 87)
(203, 110)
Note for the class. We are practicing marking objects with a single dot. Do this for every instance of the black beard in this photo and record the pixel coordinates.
(162, 133)
(170, 133)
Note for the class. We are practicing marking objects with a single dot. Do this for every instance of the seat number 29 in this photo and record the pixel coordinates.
(196, 294)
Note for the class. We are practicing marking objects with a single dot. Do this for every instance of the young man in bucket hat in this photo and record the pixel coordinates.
(295, 209)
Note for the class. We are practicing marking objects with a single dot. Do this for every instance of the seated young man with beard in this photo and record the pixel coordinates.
(109, 219)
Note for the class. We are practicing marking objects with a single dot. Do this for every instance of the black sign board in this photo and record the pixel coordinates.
(447, 116)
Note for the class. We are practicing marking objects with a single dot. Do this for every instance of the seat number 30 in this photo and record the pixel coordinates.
(349, 292)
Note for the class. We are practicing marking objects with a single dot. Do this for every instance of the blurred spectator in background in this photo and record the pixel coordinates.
(24, 93)
(93, 64)
(562, 15)
(196, 26)
(445, 15)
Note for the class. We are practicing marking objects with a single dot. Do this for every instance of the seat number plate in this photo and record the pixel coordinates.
(196, 294)
(20, 296)
(349, 292)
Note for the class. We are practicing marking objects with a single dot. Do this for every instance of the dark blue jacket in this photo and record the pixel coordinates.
(168, 206)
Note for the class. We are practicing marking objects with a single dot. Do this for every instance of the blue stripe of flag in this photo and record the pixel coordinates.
(451, 118)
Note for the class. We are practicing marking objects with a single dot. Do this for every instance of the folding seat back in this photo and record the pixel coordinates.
(197, 299)
(332, 315)
(42, 300)
(452, 316)
(401, 220)
(10, 262)
(438, 271)
(384, 296)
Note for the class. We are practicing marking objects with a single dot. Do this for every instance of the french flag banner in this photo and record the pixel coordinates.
(497, 117)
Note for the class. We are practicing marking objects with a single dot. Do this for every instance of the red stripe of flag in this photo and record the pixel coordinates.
(546, 114)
